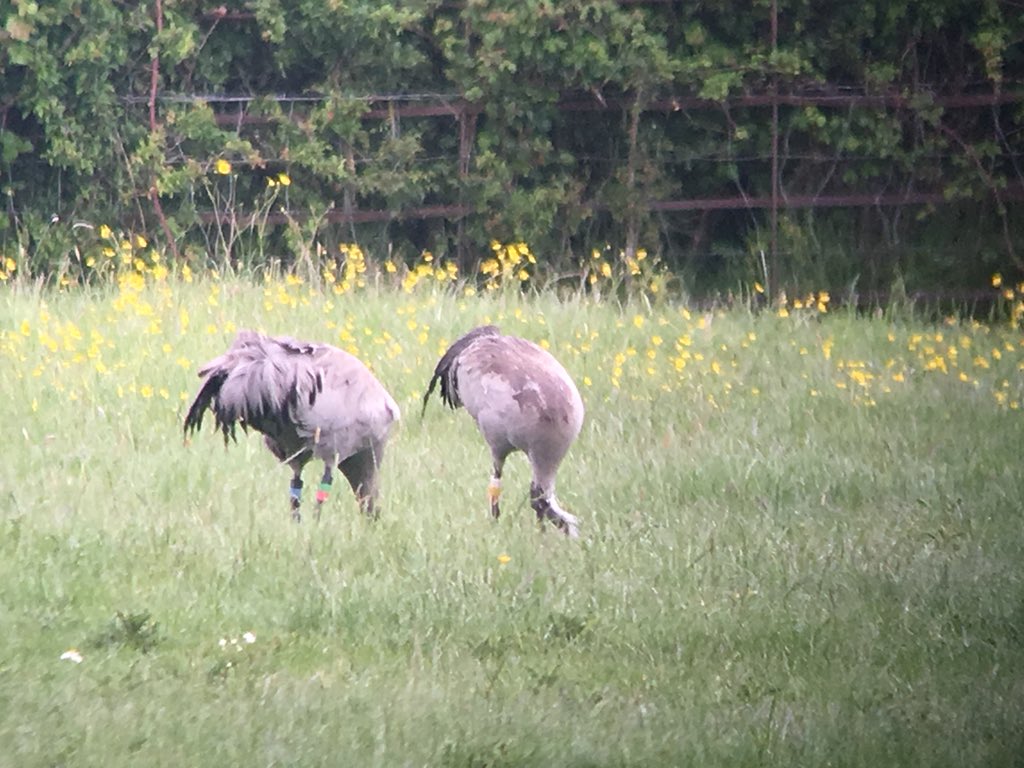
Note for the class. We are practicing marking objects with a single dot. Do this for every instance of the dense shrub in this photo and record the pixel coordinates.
(564, 125)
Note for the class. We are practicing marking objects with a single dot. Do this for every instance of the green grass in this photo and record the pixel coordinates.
(801, 544)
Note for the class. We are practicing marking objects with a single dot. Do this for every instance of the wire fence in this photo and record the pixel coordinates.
(400, 106)
(760, 181)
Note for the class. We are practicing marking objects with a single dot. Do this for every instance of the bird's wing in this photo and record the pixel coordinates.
(252, 383)
(447, 366)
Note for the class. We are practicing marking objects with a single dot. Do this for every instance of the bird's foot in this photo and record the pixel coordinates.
(549, 509)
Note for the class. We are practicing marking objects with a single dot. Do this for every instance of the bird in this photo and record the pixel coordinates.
(309, 400)
(522, 399)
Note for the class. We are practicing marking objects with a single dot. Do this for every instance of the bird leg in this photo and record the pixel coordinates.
(494, 488)
(493, 494)
(325, 488)
(546, 506)
(295, 492)
(360, 470)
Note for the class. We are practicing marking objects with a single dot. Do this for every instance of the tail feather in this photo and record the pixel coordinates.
(445, 370)
(207, 398)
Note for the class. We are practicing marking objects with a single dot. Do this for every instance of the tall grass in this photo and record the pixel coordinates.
(801, 544)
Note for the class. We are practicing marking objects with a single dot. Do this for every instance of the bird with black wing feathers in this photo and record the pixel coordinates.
(522, 399)
(309, 401)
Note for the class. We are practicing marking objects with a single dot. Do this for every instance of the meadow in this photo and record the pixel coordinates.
(801, 538)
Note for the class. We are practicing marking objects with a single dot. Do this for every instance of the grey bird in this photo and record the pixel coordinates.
(309, 401)
(522, 399)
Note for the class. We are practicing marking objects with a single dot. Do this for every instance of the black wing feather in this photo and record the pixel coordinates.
(447, 366)
(205, 399)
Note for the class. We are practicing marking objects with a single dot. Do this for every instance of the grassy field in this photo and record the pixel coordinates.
(801, 544)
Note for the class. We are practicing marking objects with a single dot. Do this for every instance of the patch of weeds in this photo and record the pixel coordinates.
(565, 627)
(219, 670)
(493, 653)
(235, 650)
(488, 755)
(497, 647)
(311, 616)
(544, 673)
(11, 535)
(137, 631)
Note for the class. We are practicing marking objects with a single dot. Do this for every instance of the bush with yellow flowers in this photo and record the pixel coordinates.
(511, 263)
(636, 273)
(810, 303)
(428, 270)
(1010, 301)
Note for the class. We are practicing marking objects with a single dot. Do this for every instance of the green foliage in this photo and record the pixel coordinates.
(76, 140)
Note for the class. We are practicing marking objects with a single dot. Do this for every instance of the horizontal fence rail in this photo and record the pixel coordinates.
(232, 112)
(453, 212)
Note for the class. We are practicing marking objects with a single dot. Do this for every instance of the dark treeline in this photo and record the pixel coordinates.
(266, 129)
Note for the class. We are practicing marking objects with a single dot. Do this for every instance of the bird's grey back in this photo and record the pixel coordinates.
(519, 395)
(528, 378)
(277, 384)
